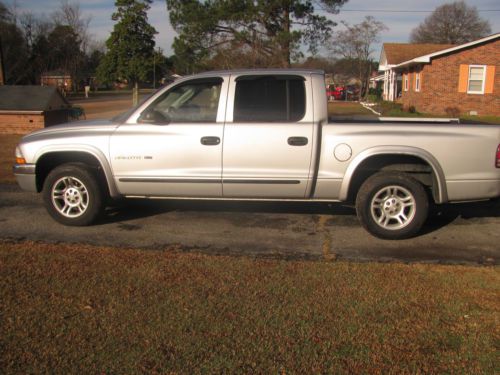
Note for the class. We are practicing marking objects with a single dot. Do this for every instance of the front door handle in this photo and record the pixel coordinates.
(210, 141)
(297, 141)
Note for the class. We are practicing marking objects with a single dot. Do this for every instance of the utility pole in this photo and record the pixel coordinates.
(2, 69)
(154, 66)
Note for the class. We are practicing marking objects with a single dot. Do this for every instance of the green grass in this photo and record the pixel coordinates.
(392, 109)
(340, 108)
(81, 309)
(481, 119)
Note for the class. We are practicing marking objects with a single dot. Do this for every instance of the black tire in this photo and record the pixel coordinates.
(392, 205)
(72, 195)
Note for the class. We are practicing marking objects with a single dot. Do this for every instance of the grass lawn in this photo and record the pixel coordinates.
(8, 143)
(109, 93)
(390, 109)
(81, 309)
(480, 119)
(341, 108)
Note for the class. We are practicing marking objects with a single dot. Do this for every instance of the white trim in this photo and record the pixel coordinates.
(19, 112)
(368, 106)
(483, 80)
(417, 80)
(420, 119)
(378, 78)
(427, 58)
(406, 81)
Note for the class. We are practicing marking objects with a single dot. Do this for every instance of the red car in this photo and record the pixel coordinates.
(335, 93)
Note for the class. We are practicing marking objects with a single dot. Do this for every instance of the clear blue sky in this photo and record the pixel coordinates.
(399, 24)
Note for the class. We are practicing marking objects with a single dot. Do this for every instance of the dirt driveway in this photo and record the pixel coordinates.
(104, 107)
(465, 233)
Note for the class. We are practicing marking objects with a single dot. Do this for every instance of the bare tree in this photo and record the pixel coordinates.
(34, 26)
(70, 14)
(453, 23)
(355, 43)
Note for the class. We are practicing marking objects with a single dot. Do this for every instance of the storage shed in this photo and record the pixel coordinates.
(24, 109)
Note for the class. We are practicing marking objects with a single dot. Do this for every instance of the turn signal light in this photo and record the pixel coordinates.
(497, 162)
(20, 161)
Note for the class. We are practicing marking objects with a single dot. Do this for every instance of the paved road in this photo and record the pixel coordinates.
(465, 233)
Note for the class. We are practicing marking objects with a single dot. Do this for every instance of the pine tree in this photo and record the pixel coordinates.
(248, 33)
(130, 45)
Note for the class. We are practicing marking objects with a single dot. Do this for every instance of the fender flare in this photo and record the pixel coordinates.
(442, 194)
(93, 151)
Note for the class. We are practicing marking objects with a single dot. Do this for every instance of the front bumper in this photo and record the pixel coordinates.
(25, 176)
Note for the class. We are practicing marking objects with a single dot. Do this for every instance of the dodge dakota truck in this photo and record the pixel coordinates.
(259, 135)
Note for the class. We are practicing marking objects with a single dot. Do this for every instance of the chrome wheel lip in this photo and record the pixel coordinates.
(70, 197)
(393, 207)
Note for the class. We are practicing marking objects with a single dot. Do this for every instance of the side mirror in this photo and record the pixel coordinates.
(153, 117)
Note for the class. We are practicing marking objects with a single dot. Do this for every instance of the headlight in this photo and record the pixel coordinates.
(19, 156)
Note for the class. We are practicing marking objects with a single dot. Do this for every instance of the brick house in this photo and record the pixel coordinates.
(59, 79)
(394, 54)
(24, 109)
(463, 79)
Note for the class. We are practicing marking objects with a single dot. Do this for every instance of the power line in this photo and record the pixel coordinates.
(404, 11)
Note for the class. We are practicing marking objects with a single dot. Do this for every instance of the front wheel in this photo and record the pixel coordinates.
(392, 205)
(72, 195)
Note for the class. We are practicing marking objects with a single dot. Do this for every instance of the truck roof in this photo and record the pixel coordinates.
(261, 71)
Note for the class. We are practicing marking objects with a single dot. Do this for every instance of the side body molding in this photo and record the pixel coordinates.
(442, 194)
(95, 152)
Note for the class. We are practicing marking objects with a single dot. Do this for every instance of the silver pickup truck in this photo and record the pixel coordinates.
(262, 135)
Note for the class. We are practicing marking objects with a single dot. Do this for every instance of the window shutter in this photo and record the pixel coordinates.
(490, 79)
(463, 78)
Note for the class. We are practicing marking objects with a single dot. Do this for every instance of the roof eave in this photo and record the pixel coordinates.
(417, 61)
(425, 59)
(385, 67)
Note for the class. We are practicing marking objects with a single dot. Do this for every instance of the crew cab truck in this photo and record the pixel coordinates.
(259, 135)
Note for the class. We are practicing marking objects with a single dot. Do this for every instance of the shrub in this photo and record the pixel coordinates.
(373, 98)
(452, 111)
(375, 91)
(387, 107)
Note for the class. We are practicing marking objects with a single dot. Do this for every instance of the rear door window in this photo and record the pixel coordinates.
(269, 99)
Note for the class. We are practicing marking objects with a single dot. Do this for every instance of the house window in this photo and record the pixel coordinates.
(405, 79)
(417, 81)
(477, 75)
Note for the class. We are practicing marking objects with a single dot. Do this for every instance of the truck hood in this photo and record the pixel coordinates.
(86, 127)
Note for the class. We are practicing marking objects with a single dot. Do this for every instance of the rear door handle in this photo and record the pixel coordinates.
(210, 141)
(297, 141)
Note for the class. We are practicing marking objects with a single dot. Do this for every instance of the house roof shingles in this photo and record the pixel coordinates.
(30, 98)
(397, 53)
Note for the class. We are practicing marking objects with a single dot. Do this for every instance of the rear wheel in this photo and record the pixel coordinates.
(392, 205)
(72, 195)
